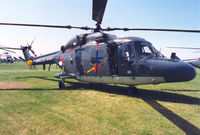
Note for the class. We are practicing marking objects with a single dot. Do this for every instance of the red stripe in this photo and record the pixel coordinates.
(96, 68)
(97, 45)
(61, 58)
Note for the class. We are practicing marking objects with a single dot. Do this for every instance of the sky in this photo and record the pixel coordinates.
(174, 14)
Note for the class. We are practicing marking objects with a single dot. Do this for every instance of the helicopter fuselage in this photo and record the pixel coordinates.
(129, 60)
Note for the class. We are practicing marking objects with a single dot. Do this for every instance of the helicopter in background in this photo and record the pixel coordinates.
(99, 57)
(195, 61)
(7, 58)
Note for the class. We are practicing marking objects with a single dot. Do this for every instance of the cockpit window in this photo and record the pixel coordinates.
(144, 48)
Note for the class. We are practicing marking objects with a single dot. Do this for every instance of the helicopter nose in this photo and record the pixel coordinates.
(174, 71)
(181, 72)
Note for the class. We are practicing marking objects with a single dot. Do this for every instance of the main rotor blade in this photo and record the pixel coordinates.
(7, 50)
(149, 29)
(47, 26)
(10, 48)
(98, 10)
(185, 48)
(196, 52)
(107, 29)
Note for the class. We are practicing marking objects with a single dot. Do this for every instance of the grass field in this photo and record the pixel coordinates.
(30, 104)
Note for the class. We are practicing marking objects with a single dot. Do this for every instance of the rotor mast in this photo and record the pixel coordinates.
(98, 10)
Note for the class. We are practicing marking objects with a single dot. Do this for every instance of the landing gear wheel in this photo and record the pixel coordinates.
(132, 90)
(61, 85)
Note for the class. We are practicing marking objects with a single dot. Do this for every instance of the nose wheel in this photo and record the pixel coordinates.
(61, 84)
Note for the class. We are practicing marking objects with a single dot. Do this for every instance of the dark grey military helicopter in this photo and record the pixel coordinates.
(98, 57)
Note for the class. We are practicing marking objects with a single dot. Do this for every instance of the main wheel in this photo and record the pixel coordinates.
(61, 85)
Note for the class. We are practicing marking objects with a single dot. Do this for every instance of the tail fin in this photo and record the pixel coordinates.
(27, 55)
(40, 60)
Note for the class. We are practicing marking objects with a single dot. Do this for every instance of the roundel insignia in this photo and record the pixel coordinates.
(60, 61)
(29, 62)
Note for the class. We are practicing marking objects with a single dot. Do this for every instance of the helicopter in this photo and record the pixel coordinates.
(99, 57)
(6, 57)
(11, 59)
(195, 61)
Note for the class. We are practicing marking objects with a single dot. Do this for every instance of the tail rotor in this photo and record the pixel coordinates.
(30, 47)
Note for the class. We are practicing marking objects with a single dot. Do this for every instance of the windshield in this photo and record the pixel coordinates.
(144, 48)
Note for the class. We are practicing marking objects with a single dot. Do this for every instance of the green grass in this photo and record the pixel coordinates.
(39, 108)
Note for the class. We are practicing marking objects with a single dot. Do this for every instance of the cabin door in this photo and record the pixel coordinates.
(79, 58)
(90, 59)
(126, 59)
